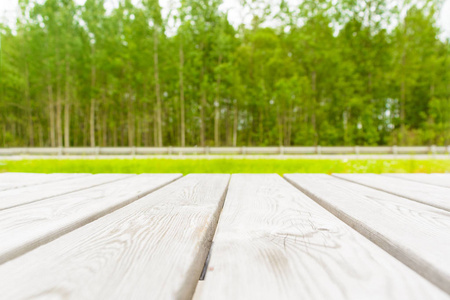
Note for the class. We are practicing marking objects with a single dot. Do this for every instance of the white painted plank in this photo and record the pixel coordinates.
(153, 248)
(11, 179)
(14, 178)
(434, 179)
(25, 227)
(17, 174)
(18, 180)
(415, 233)
(421, 192)
(20, 196)
(273, 242)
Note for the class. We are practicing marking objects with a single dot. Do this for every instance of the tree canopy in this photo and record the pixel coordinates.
(324, 72)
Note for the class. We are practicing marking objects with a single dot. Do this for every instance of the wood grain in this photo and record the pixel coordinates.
(17, 180)
(434, 179)
(424, 193)
(414, 233)
(21, 196)
(153, 248)
(273, 242)
(26, 227)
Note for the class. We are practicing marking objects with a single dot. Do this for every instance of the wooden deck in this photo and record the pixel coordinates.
(216, 236)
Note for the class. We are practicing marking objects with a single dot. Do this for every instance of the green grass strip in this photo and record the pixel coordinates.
(226, 165)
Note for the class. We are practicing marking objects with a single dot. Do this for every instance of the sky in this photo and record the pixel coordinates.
(9, 10)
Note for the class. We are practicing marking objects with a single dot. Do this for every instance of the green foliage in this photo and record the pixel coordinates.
(346, 72)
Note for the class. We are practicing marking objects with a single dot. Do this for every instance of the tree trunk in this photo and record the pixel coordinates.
(228, 137)
(105, 119)
(58, 101)
(146, 125)
(260, 125)
(217, 108)
(58, 114)
(235, 125)
(157, 89)
(402, 111)
(51, 109)
(289, 126)
(403, 87)
(145, 117)
(202, 100)
(85, 129)
(137, 122)
(67, 108)
(115, 136)
(92, 109)
(41, 136)
(155, 128)
(314, 101)
(92, 122)
(29, 108)
(105, 129)
(130, 118)
(216, 125)
(182, 111)
(402, 103)
(67, 125)
(280, 130)
(202, 109)
(202, 119)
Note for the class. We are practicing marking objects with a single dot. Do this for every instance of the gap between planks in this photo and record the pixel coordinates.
(424, 193)
(439, 179)
(21, 196)
(10, 181)
(414, 233)
(274, 242)
(153, 248)
(26, 227)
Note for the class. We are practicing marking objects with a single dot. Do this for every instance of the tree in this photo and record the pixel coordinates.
(346, 72)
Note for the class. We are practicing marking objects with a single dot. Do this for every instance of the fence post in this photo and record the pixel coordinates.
(281, 150)
(357, 150)
(243, 150)
(318, 150)
(433, 149)
(395, 149)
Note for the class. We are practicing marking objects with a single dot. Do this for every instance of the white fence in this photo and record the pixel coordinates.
(226, 150)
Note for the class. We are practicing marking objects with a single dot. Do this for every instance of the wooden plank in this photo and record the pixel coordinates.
(23, 228)
(421, 150)
(21, 196)
(413, 150)
(434, 179)
(424, 193)
(7, 179)
(18, 180)
(273, 242)
(16, 176)
(416, 234)
(152, 248)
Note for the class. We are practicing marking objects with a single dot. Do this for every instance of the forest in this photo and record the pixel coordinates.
(320, 72)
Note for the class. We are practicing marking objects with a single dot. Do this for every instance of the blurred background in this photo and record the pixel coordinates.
(224, 73)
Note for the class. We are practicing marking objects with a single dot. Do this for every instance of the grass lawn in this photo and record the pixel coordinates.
(226, 165)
